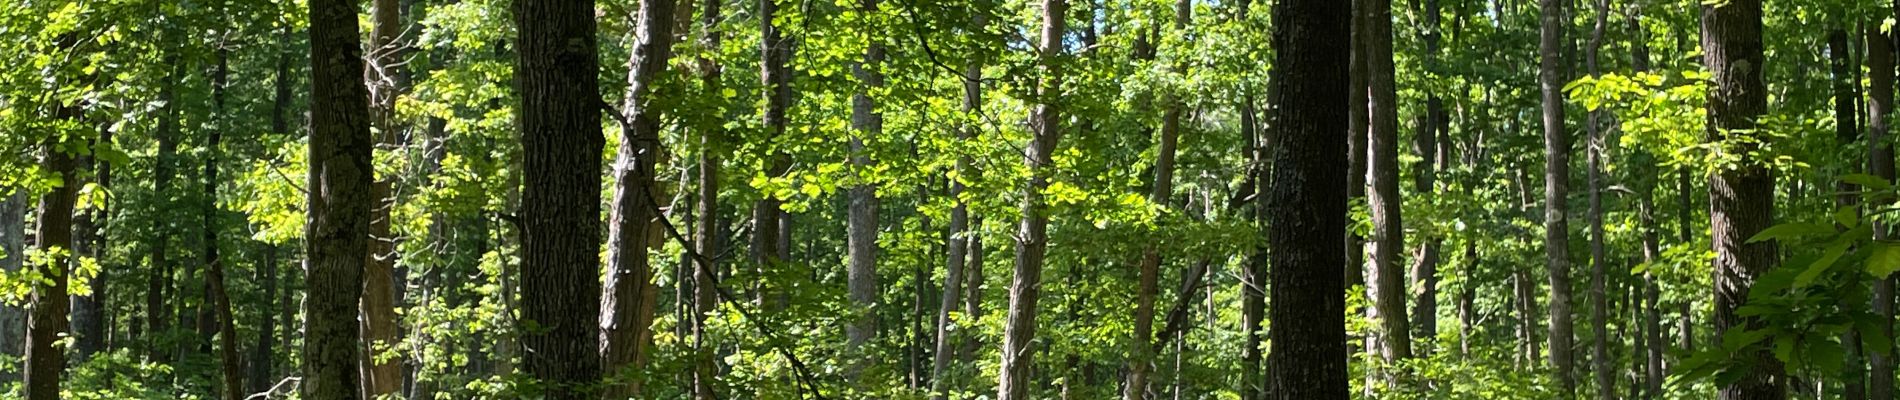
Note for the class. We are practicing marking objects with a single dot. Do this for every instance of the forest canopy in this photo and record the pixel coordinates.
(947, 199)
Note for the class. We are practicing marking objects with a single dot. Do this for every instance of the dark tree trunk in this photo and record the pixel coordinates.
(13, 242)
(89, 311)
(1741, 199)
(217, 295)
(770, 224)
(626, 303)
(961, 238)
(706, 238)
(157, 311)
(1556, 190)
(1880, 95)
(1139, 363)
(49, 305)
(1309, 309)
(1032, 239)
(382, 375)
(1386, 276)
(1846, 132)
(1599, 273)
(559, 122)
(337, 234)
(1424, 276)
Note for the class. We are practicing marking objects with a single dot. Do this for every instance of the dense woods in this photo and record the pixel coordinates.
(947, 199)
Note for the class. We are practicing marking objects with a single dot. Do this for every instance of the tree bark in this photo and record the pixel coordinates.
(770, 223)
(230, 365)
(337, 233)
(1386, 276)
(1424, 274)
(1309, 309)
(1150, 269)
(49, 305)
(1357, 129)
(707, 237)
(1599, 274)
(1741, 199)
(1556, 190)
(559, 121)
(382, 372)
(1880, 97)
(961, 237)
(861, 238)
(12, 254)
(157, 312)
(1846, 132)
(626, 301)
(1032, 238)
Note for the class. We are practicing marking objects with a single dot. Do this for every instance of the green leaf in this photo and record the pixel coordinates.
(1792, 230)
(1884, 259)
(1847, 216)
(1827, 259)
(1868, 181)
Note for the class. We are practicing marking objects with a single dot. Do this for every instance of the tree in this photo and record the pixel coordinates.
(707, 239)
(1032, 237)
(1167, 140)
(1880, 96)
(627, 302)
(962, 240)
(1742, 198)
(337, 231)
(47, 320)
(1593, 145)
(560, 129)
(861, 232)
(388, 80)
(1386, 277)
(217, 296)
(1556, 190)
(1309, 308)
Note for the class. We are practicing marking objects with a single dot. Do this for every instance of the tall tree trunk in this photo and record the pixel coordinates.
(961, 238)
(770, 224)
(89, 312)
(1741, 199)
(1253, 275)
(861, 240)
(157, 312)
(337, 234)
(1880, 96)
(973, 301)
(626, 302)
(1846, 132)
(706, 238)
(559, 121)
(1386, 276)
(1358, 105)
(219, 297)
(1309, 304)
(1599, 317)
(1150, 270)
(1556, 190)
(382, 372)
(1032, 239)
(49, 305)
(1424, 276)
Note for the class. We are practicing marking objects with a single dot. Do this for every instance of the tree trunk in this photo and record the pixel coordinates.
(1846, 132)
(770, 224)
(1309, 308)
(1880, 96)
(1741, 199)
(1357, 129)
(1386, 276)
(12, 254)
(961, 238)
(1142, 357)
(559, 121)
(49, 305)
(626, 309)
(218, 296)
(1424, 276)
(1253, 303)
(337, 235)
(157, 311)
(1032, 240)
(973, 301)
(1599, 318)
(382, 372)
(1556, 190)
(89, 317)
(861, 266)
(707, 234)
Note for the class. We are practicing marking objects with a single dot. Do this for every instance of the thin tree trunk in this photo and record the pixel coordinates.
(231, 367)
(1424, 274)
(1846, 132)
(706, 238)
(13, 244)
(627, 312)
(157, 313)
(861, 266)
(1142, 358)
(1386, 276)
(1599, 274)
(961, 239)
(1880, 97)
(1556, 190)
(1309, 311)
(1032, 240)
(559, 121)
(382, 372)
(1741, 199)
(770, 224)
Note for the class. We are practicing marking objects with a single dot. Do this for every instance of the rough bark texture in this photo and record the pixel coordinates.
(626, 301)
(559, 122)
(1556, 190)
(1386, 277)
(861, 237)
(1358, 117)
(49, 305)
(1741, 199)
(382, 372)
(1426, 144)
(1309, 310)
(1032, 237)
(770, 224)
(337, 230)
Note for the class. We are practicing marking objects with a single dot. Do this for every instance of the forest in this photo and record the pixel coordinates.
(948, 199)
